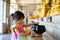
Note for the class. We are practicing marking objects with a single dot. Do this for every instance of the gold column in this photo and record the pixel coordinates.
(48, 8)
(44, 9)
(55, 10)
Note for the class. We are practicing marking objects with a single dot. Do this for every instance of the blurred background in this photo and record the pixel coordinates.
(46, 12)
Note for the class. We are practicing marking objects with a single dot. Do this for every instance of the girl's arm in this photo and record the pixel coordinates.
(18, 33)
(27, 25)
(12, 30)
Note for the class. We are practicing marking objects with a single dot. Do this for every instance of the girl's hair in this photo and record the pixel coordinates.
(18, 15)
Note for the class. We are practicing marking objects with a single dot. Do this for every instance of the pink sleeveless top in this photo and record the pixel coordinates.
(20, 28)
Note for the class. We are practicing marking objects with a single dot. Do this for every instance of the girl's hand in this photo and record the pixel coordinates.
(28, 32)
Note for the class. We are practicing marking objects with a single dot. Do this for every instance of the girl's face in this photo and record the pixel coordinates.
(20, 21)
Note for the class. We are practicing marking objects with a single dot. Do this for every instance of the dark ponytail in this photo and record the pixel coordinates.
(12, 14)
(18, 15)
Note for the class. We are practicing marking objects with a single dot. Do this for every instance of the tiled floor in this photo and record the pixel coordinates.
(8, 37)
(5, 37)
(37, 38)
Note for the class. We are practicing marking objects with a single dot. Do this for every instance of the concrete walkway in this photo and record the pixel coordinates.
(8, 37)
(5, 37)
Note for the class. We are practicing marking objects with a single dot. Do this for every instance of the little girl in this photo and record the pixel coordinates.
(17, 26)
